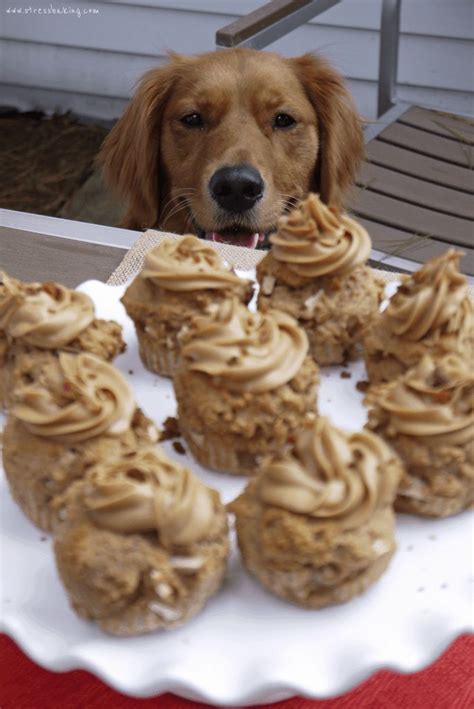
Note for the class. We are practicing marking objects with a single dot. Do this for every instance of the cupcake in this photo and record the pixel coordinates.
(316, 527)
(316, 271)
(431, 313)
(427, 417)
(68, 413)
(244, 385)
(143, 543)
(180, 279)
(43, 318)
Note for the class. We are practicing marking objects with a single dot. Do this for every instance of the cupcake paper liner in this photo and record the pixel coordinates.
(213, 454)
(156, 357)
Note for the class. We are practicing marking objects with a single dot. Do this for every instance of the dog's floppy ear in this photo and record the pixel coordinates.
(339, 125)
(130, 153)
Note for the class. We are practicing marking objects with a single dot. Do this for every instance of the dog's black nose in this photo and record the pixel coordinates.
(236, 189)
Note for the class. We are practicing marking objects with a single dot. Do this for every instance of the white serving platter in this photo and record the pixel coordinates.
(246, 647)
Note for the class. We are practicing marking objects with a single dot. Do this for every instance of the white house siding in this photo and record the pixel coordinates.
(90, 64)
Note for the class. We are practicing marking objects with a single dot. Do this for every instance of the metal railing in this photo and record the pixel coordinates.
(276, 19)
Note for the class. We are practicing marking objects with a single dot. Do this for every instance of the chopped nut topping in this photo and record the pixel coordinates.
(164, 590)
(165, 612)
(186, 564)
(170, 429)
(268, 285)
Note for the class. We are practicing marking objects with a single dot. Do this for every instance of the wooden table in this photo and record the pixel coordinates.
(38, 248)
(35, 248)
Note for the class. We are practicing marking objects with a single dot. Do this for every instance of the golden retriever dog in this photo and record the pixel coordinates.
(223, 143)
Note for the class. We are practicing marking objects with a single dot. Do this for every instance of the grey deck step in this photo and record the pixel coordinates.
(396, 242)
(411, 189)
(445, 124)
(415, 192)
(425, 143)
(413, 218)
(430, 169)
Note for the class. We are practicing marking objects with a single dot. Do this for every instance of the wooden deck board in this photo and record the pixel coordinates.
(444, 124)
(396, 242)
(434, 146)
(410, 189)
(421, 166)
(412, 218)
(415, 190)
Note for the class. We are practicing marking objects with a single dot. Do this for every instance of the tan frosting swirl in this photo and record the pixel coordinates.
(148, 492)
(188, 264)
(433, 401)
(75, 399)
(45, 315)
(330, 475)
(433, 298)
(251, 351)
(314, 241)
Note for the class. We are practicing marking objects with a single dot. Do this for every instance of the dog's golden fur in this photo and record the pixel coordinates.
(163, 167)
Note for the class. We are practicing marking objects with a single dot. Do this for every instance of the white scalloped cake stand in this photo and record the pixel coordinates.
(246, 647)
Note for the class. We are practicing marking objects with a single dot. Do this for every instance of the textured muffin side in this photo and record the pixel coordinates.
(316, 526)
(387, 357)
(431, 313)
(66, 409)
(306, 562)
(335, 311)
(160, 316)
(102, 338)
(48, 317)
(438, 482)
(426, 416)
(230, 431)
(38, 470)
(133, 583)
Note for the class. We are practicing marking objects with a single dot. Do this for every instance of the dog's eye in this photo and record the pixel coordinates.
(192, 120)
(283, 120)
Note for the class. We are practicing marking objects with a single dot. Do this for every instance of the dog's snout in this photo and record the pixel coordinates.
(237, 188)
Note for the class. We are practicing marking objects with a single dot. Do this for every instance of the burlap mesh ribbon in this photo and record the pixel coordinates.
(243, 259)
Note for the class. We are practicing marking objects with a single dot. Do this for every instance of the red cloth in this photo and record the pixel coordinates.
(447, 684)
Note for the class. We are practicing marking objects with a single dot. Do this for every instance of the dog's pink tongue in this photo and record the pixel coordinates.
(250, 241)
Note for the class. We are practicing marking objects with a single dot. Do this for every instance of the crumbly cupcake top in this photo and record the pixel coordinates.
(75, 398)
(146, 492)
(433, 401)
(331, 475)
(430, 302)
(45, 315)
(188, 264)
(313, 241)
(254, 352)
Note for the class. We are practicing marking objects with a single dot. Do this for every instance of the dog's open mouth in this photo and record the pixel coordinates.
(236, 237)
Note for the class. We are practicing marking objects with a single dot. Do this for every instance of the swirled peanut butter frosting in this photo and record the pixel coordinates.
(313, 241)
(330, 475)
(432, 401)
(432, 300)
(188, 264)
(75, 398)
(250, 351)
(45, 315)
(148, 492)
